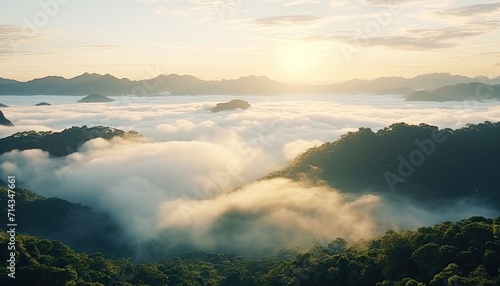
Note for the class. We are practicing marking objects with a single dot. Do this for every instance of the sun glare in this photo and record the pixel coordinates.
(298, 59)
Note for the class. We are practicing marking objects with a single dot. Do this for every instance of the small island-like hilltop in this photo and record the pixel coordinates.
(96, 98)
(231, 105)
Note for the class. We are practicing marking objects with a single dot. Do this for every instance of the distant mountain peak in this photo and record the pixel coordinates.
(439, 75)
(109, 76)
(96, 98)
(87, 76)
(50, 77)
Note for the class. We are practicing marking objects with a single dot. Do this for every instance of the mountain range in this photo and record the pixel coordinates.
(458, 92)
(189, 85)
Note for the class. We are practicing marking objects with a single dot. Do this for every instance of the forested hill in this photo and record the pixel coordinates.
(418, 162)
(462, 253)
(59, 143)
(83, 228)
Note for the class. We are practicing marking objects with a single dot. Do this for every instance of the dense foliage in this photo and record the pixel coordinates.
(451, 253)
(59, 143)
(81, 227)
(406, 160)
(462, 253)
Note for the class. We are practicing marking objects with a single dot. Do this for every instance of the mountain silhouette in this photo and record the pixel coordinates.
(175, 84)
(43, 104)
(384, 84)
(459, 92)
(4, 121)
(231, 105)
(107, 84)
(96, 98)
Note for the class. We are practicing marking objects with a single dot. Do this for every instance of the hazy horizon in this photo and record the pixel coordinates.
(249, 75)
(290, 41)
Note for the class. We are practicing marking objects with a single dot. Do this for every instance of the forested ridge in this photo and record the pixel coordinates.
(81, 227)
(423, 163)
(61, 243)
(60, 143)
(450, 253)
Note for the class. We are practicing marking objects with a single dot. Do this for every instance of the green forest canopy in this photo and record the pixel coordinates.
(466, 252)
(443, 164)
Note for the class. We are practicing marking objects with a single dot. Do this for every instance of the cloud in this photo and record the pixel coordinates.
(297, 147)
(24, 40)
(11, 37)
(472, 10)
(198, 8)
(162, 10)
(397, 42)
(294, 2)
(413, 39)
(392, 24)
(275, 212)
(290, 20)
(193, 178)
(8, 33)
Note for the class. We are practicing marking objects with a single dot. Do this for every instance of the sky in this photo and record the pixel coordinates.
(293, 41)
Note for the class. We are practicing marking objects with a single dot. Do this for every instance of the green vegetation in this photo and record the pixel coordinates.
(81, 227)
(59, 143)
(463, 166)
(454, 166)
(466, 252)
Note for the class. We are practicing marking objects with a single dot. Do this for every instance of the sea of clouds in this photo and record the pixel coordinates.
(192, 179)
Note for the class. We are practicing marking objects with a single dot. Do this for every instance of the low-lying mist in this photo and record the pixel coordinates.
(192, 180)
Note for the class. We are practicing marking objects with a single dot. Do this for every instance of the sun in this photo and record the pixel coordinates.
(299, 58)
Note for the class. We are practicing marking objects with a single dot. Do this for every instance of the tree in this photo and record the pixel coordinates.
(448, 276)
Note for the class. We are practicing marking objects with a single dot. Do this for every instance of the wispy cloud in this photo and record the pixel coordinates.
(414, 39)
(14, 39)
(294, 2)
(204, 8)
(9, 34)
(467, 11)
(290, 20)
(162, 10)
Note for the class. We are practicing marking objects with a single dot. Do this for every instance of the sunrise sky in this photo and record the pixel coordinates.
(309, 41)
